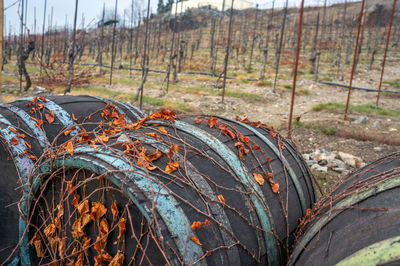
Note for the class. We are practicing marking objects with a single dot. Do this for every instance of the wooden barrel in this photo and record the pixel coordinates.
(27, 128)
(212, 190)
(358, 223)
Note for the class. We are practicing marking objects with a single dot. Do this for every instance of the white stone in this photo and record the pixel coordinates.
(123, 139)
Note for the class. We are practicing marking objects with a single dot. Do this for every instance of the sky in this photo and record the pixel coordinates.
(63, 10)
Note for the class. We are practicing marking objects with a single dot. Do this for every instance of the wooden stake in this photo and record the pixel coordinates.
(354, 59)
(386, 49)
(295, 69)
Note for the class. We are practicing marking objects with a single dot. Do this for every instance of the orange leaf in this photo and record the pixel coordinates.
(256, 124)
(77, 228)
(114, 210)
(270, 175)
(83, 207)
(28, 145)
(212, 121)
(256, 147)
(70, 187)
(275, 187)
(106, 257)
(222, 200)
(196, 225)
(98, 245)
(98, 210)
(164, 114)
(104, 228)
(21, 136)
(171, 167)
(68, 131)
(154, 156)
(61, 246)
(121, 227)
(75, 201)
(244, 139)
(118, 259)
(244, 120)
(50, 230)
(242, 149)
(86, 242)
(9, 158)
(104, 138)
(153, 134)
(38, 123)
(206, 222)
(73, 117)
(259, 178)
(32, 157)
(198, 120)
(13, 130)
(174, 148)
(227, 131)
(162, 130)
(79, 261)
(37, 242)
(230, 133)
(49, 118)
(69, 147)
(85, 219)
(14, 141)
(196, 240)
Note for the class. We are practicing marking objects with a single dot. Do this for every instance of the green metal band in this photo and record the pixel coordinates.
(378, 253)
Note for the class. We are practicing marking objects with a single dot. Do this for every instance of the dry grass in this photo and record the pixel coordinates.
(367, 136)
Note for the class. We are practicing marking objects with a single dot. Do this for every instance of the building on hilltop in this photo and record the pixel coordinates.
(214, 4)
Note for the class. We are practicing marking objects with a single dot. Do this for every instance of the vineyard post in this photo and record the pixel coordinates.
(228, 47)
(101, 41)
(145, 60)
(131, 41)
(113, 41)
(72, 54)
(295, 69)
(42, 43)
(279, 50)
(253, 38)
(354, 59)
(386, 50)
(343, 40)
(35, 31)
(171, 51)
(323, 26)
(314, 52)
(269, 25)
(21, 46)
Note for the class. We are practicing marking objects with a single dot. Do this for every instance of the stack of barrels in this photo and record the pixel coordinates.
(91, 181)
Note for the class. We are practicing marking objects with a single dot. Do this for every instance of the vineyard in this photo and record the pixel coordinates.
(233, 64)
